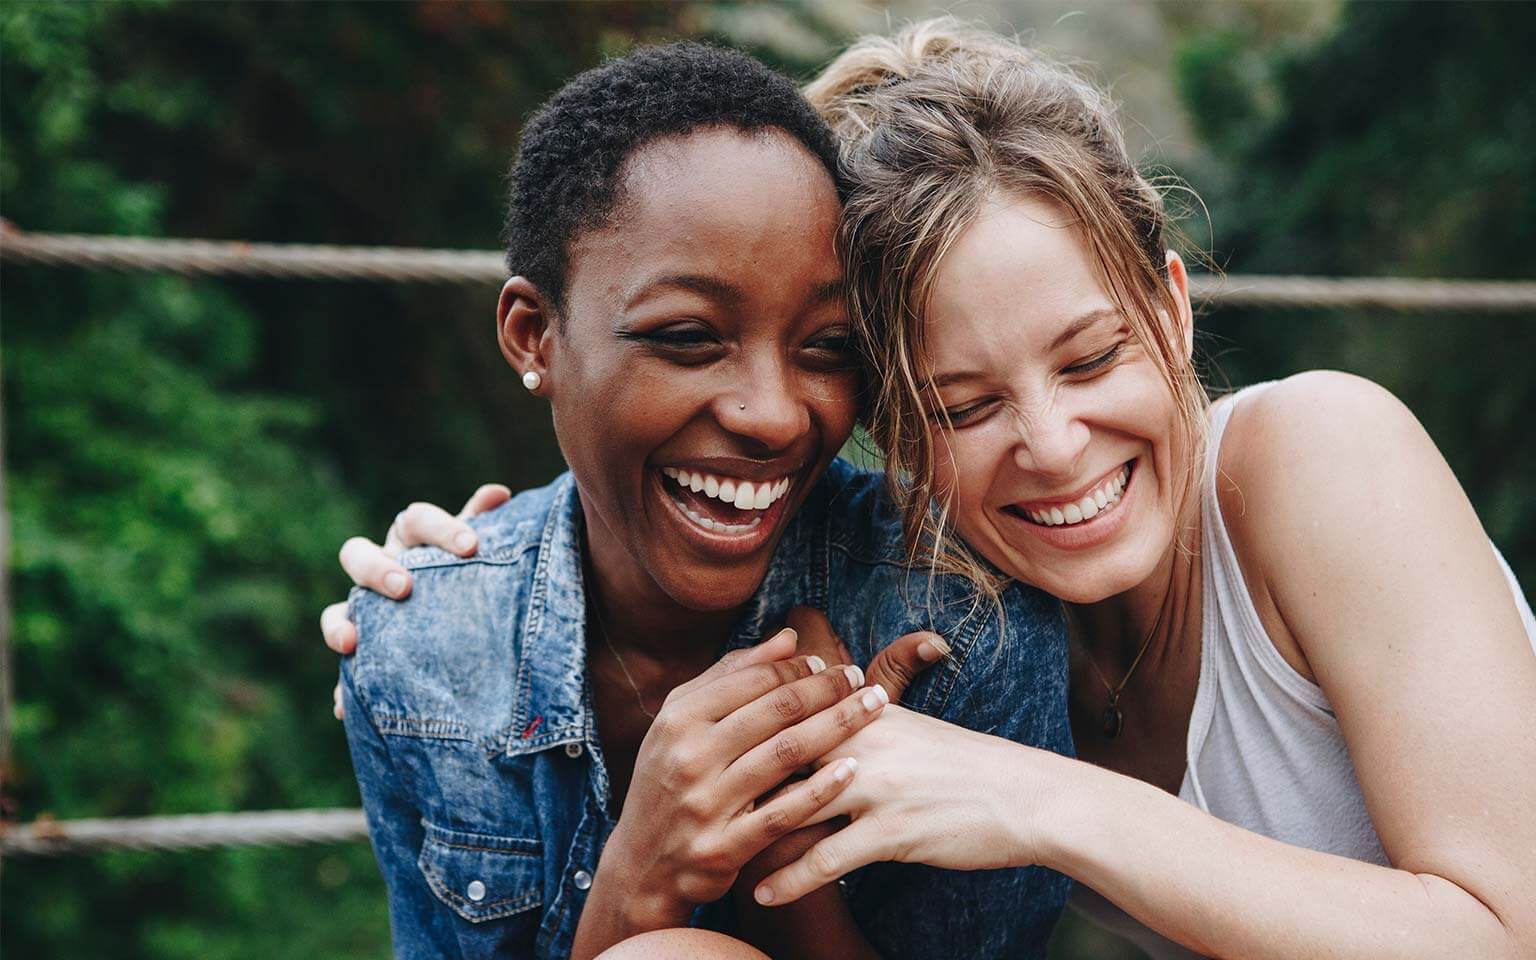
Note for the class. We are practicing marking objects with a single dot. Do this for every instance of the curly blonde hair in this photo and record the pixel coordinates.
(935, 122)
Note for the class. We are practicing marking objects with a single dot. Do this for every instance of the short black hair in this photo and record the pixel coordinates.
(566, 176)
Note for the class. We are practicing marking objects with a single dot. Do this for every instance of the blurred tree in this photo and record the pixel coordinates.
(1397, 143)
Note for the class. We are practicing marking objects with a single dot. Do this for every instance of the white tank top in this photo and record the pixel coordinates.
(1264, 750)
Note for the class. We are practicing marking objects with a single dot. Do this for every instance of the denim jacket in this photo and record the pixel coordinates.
(471, 725)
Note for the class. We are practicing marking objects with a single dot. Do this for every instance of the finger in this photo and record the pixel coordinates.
(772, 760)
(761, 827)
(777, 647)
(784, 706)
(336, 707)
(428, 525)
(895, 667)
(488, 497)
(817, 636)
(729, 693)
(340, 634)
(861, 842)
(370, 567)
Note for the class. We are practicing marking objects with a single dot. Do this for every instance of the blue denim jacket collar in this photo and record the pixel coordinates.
(551, 675)
(550, 708)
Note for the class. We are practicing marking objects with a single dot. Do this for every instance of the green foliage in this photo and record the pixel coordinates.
(184, 456)
(1397, 144)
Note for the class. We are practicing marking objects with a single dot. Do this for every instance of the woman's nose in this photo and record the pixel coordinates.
(1051, 441)
(767, 407)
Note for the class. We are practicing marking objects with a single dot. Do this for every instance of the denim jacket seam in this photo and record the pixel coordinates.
(392, 725)
(951, 679)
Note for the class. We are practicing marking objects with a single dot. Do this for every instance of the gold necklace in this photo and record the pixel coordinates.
(1112, 721)
(628, 677)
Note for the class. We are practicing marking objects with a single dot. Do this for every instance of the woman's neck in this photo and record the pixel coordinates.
(635, 615)
(1155, 613)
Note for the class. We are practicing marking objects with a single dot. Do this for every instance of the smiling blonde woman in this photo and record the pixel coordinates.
(1302, 676)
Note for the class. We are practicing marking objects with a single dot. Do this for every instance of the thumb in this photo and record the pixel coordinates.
(895, 667)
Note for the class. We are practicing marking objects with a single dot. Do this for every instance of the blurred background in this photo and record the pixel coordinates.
(183, 456)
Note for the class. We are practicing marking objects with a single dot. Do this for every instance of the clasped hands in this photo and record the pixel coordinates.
(718, 766)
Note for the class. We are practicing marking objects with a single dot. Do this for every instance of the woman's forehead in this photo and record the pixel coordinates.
(749, 210)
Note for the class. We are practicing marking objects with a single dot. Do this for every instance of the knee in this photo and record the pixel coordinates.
(682, 944)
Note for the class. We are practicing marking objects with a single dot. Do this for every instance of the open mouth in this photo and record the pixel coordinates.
(1097, 502)
(725, 506)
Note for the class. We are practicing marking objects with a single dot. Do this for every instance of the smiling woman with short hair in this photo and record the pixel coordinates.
(552, 752)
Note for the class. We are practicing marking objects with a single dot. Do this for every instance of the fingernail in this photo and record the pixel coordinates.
(788, 630)
(855, 675)
(394, 583)
(874, 698)
(764, 894)
(927, 652)
(464, 542)
(815, 663)
(845, 768)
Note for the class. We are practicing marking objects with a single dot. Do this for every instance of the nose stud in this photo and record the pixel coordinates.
(741, 406)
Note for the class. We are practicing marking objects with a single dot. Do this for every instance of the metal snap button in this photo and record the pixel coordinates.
(476, 891)
(573, 750)
(582, 880)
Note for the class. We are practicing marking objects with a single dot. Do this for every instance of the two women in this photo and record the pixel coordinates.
(1300, 671)
(553, 754)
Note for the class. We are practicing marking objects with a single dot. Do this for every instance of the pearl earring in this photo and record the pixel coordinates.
(532, 381)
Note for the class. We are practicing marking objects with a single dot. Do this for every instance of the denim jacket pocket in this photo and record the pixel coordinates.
(482, 877)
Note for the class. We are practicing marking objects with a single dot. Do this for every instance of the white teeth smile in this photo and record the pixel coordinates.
(741, 494)
(1093, 503)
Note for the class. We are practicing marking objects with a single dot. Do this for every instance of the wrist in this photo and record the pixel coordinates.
(1075, 818)
(1044, 807)
(639, 902)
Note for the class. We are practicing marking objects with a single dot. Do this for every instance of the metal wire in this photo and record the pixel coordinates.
(406, 265)
(45, 838)
(50, 838)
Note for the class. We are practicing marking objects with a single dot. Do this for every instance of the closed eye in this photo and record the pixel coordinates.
(967, 414)
(689, 343)
(1096, 363)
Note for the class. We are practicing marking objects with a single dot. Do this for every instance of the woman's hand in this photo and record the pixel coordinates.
(927, 792)
(692, 819)
(374, 567)
(893, 668)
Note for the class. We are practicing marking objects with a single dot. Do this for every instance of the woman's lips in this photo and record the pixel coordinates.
(1104, 524)
(716, 524)
(1101, 498)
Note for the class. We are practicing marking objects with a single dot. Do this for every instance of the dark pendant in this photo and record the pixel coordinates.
(1114, 721)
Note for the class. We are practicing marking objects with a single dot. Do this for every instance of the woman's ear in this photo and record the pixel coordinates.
(525, 328)
(1178, 283)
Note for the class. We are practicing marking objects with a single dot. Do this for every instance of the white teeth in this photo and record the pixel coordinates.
(742, 494)
(746, 495)
(1106, 495)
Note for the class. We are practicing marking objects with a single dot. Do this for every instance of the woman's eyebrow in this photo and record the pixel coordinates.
(712, 287)
(1082, 323)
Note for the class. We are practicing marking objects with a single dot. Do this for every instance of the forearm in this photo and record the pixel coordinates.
(617, 909)
(1229, 892)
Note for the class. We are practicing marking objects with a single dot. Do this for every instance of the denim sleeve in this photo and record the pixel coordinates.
(1015, 687)
(416, 918)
